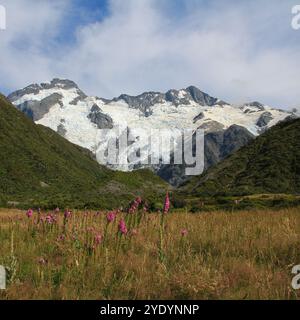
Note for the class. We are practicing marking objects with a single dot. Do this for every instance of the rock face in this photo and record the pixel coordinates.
(31, 89)
(268, 164)
(35, 89)
(264, 119)
(61, 130)
(217, 146)
(103, 121)
(143, 102)
(221, 144)
(211, 126)
(188, 96)
(202, 98)
(63, 107)
(37, 109)
(252, 107)
(200, 116)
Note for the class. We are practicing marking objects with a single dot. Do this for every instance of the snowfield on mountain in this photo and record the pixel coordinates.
(63, 107)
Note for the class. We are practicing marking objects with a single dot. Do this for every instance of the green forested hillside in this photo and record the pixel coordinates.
(269, 164)
(39, 167)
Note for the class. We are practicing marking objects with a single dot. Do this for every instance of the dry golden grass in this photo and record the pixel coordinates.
(242, 255)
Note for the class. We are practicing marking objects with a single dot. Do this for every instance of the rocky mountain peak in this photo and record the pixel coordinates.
(35, 89)
(63, 107)
(145, 101)
(60, 83)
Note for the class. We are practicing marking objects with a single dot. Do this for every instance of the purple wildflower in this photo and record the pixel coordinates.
(167, 204)
(49, 219)
(111, 216)
(122, 227)
(29, 213)
(67, 214)
(97, 239)
(184, 232)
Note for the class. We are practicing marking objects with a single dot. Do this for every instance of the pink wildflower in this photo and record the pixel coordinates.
(111, 216)
(67, 214)
(122, 227)
(184, 232)
(49, 219)
(97, 239)
(62, 237)
(29, 213)
(134, 206)
(167, 204)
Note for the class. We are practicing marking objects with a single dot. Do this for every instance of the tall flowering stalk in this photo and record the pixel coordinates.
(133, 218)
(39, 215)
(110, 217)
(122, 231)
(167, 204)
(162, 228)
(96, 243)
(97, 239)
(67, 216)
(29, 213)
(183, 242)
(122, 227)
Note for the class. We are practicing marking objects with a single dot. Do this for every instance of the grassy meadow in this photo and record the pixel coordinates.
(91, 255)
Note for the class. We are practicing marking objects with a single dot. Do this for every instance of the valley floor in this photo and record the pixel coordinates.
(213, 255)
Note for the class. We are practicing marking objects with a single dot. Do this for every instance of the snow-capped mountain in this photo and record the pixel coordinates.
(63, 107)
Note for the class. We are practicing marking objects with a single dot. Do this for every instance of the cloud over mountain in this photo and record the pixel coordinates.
(239, 51)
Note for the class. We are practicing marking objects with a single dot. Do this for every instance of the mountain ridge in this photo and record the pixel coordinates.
(268, 164)
(63, 107)
(39, 167)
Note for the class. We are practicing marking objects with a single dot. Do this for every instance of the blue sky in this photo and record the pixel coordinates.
(82, 12)
(235, 50)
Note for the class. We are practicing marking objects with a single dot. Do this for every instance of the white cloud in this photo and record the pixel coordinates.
(31, 27)
(236, 52)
